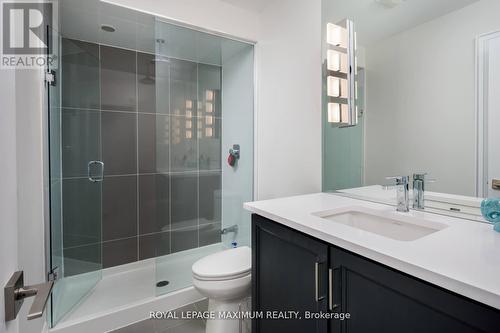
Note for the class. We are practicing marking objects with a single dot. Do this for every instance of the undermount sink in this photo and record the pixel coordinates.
(388, 224)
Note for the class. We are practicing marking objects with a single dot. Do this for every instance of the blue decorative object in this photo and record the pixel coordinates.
(490, 208)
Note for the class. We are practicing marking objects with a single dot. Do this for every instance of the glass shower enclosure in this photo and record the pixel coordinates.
(142, 118)
(205, 82)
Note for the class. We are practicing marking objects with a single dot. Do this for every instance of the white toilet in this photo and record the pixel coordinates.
(224, 278)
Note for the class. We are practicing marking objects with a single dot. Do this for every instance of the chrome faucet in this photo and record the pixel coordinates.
(419, 180)
(233, 228)
(419, 190)
(403, 193)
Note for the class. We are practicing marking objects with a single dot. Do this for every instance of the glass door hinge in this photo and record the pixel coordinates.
(50, 77)
(54, 274)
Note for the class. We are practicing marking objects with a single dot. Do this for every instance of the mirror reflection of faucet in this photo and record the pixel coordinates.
(419, 181)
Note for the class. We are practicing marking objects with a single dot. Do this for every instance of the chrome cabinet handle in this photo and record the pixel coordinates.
(101, 173)
(331, 306)
(316, 287)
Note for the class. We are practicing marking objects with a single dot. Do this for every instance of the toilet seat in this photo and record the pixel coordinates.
(222, 266)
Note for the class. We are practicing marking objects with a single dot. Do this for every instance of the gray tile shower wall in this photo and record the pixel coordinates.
(156, 125)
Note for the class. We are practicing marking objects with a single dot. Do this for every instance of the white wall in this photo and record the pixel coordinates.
(8, 190)
(289, 99)
(30, 138)
(421, 100)
(21, 194)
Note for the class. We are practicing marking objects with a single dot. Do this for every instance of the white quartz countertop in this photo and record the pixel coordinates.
(463, 258)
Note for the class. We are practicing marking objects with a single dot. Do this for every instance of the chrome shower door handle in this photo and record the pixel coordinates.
(100, 176)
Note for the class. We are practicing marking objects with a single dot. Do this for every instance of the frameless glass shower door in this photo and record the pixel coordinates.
(76, 173)
(204, 83)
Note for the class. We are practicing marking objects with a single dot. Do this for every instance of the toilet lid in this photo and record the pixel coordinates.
(228, 264)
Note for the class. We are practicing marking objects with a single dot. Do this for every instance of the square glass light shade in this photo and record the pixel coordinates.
(333, 113)
(336, 35)
(336, 61)
(344, 92)
(333, 86)
(337, 87)
(333, 60)
(209, 107)
(344, 114)
(338, 113)
(209, 95)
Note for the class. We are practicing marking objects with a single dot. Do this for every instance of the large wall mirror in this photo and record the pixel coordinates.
(429, 100)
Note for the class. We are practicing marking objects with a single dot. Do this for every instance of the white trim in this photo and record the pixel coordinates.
(481, 113)
(256, 57)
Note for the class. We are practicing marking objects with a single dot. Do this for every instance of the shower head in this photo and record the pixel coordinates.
(148, 80)
(160, 58)
(108, 28)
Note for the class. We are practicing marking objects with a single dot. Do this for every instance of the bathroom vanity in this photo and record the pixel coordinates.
(391, 272)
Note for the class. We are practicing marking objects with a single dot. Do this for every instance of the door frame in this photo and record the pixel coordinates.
(482, 112)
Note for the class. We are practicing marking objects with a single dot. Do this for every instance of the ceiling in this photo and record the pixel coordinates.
(375, 22)
(253, 5)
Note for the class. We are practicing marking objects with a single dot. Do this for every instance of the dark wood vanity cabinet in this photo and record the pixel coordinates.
(288, 274)
(295, 272)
